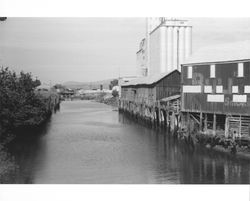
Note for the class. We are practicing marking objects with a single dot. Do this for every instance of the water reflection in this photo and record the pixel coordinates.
(26, 154)
(179, 163)
(88, 142)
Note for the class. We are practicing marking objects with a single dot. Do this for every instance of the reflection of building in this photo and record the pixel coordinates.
(168, 44)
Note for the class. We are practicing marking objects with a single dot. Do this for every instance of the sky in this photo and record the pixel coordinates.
(58, 50)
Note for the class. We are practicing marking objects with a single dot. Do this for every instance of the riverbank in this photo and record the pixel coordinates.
(107, 99)
(112, 101)
(25, 103)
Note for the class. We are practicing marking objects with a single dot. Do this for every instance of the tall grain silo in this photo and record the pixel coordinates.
(169, 44)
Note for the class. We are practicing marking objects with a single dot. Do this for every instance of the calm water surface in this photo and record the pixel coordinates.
(88, 142)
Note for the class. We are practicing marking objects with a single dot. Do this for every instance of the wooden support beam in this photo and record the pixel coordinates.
(167, 118)
(226, 127)
(200, 121)
(214, 124)
(188, 120)
(205, 122)
(240, 127)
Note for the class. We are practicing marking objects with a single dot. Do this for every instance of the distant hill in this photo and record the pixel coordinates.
(88, 85)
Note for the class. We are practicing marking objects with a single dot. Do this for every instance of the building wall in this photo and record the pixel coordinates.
(155, 52)
(196, 94)
(139, 94)
(141, 60)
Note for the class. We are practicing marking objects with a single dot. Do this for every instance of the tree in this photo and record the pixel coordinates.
(113, 83)
(19, 104)
(115, 93)
(3, 18)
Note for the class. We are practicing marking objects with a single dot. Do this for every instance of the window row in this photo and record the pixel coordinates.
(219, 89)
(240, 72)
(209, 89)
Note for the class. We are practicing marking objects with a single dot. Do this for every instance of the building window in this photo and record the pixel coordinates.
(215, 98)
(219, 89)
(207, 89)
(190, 72)
(191, 89)
(247, 89)
(239, 98)
(235, 89)
(212, 71)
(240, 70)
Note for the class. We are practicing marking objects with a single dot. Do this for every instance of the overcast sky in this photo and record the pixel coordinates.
(90, 49)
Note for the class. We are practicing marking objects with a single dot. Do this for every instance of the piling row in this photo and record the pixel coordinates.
(183, 126)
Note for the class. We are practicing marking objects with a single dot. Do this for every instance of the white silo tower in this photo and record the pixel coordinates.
(169, 43)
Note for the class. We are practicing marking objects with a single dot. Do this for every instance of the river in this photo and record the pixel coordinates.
(88, 142)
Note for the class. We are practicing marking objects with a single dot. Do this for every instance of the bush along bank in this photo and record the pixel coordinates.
(20, 105)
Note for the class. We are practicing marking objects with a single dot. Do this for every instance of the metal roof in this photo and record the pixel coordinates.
(149, 80)
(221, 53)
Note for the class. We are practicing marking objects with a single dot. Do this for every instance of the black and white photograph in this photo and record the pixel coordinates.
(125, 100)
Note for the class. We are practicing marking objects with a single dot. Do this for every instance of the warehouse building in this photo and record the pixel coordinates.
(154, 97)
(216, 89)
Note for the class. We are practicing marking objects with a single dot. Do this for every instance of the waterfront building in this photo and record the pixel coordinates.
(155, 97)
(216, 89)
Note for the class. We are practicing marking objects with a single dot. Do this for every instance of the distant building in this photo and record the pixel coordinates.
(43, 87)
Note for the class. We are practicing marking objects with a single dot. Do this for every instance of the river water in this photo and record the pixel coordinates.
(88, 142)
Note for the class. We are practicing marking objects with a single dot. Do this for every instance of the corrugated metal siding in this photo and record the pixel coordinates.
(226, 75)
